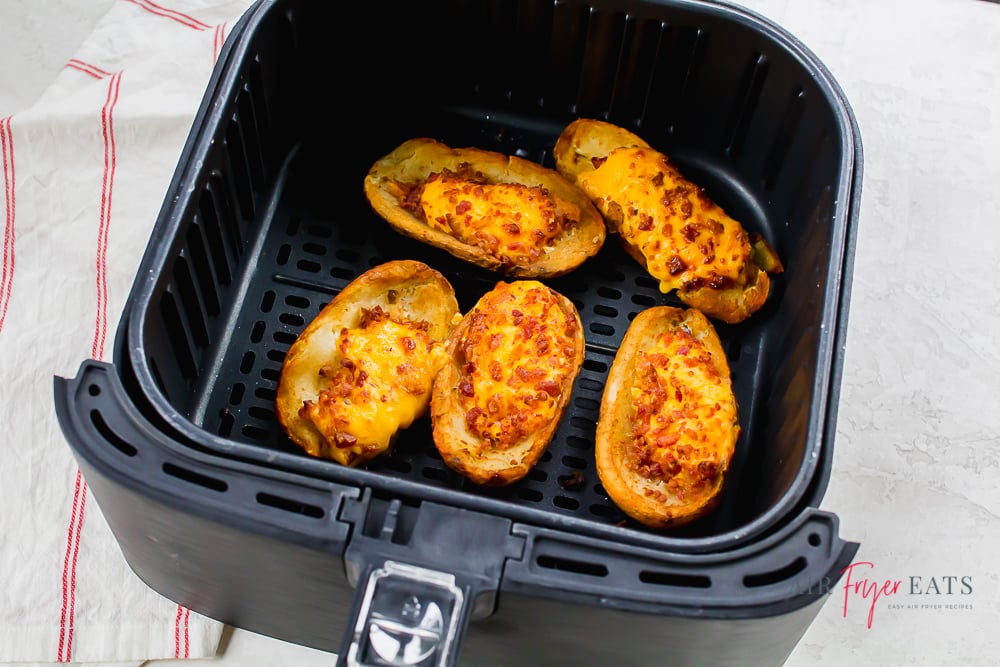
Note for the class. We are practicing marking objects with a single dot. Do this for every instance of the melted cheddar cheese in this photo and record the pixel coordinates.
(511, 221)
(517, 354)
(379, 382)
(687, 240)
(684, 411)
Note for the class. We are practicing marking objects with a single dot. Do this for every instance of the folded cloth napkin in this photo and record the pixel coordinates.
(83, 172)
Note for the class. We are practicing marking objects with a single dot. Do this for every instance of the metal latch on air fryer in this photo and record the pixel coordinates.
(421, 572)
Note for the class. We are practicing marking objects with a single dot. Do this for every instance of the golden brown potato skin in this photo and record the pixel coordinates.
(666, 222)
(415, 160)
(406, 290)
(519, 350)
(663, 447)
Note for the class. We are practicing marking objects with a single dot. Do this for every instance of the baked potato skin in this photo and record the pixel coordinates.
(551, 339)
(666, 222)
(415, 160)
(406, 290)
(659, 471)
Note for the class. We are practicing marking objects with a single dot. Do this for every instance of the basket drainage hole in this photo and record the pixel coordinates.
(435, 474)
(236, 394)
(226, 421)
(603, 511)
(566, 503)
(815, 540)
(267, 303)
(602, 329)
(569, 565)
(529, 494)
(94, 390)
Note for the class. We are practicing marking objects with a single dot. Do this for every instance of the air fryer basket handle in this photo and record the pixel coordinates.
(406, 615)
(421, 572)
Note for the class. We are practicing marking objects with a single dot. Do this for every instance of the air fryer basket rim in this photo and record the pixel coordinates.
(834, 316)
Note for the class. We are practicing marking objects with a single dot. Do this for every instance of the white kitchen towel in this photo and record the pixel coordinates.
(83, 172)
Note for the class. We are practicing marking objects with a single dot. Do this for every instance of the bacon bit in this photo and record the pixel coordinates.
(550, 387)
(527, 375)
(721, 282)
(408, 343)
(646, 223)
(472, 416)
(667, 440)
(306, 407)
(694, 283)
(542, 346)
(675, 265)
(708, 470)
(463, 207)
(371, 315)
(343, 440)
(690, 232)
(466, 389)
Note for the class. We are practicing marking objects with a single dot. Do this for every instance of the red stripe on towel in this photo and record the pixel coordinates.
(87, 68)
(171, 14)
(68, 611)
(182, 633)
(110, 163)
(220, 39)
(66, 616)
(187, 634)
(7, 276)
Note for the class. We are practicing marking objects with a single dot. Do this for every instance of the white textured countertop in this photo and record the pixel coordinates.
(916, 472)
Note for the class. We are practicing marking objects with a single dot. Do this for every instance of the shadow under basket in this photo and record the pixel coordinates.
(403, 561)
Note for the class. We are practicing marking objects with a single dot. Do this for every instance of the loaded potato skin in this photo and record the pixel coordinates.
(512, 363)
(666, 222)
(503, 213)
(363, 368)
(668, 422)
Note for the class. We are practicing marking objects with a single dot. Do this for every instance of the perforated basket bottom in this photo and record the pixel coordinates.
(315, 243)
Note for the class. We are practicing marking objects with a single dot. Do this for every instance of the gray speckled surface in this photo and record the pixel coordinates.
(916, 459)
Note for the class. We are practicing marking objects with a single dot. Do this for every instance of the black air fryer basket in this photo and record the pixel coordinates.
(403, 561)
